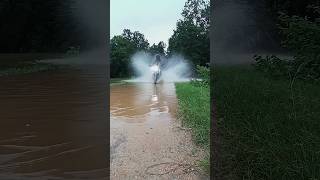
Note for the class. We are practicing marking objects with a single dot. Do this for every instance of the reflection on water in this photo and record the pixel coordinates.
(142, 101)
(145, 134)
(52, 125)
(141, 130)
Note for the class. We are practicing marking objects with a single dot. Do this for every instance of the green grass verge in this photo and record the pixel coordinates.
(269, 130)
(194, 111)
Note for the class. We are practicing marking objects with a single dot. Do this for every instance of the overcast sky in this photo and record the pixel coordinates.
(156, 19)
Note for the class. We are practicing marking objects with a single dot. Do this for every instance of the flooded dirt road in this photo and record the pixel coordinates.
(53, 125)
(147, 141)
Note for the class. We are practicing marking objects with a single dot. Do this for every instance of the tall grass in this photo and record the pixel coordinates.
(266, 135)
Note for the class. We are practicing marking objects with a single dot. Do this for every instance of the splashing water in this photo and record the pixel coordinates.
(175, 68)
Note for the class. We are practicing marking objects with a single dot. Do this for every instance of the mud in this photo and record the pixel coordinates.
(147, 141)
(53, 125)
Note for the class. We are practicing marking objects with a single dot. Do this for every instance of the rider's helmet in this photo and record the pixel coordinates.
(158, 60)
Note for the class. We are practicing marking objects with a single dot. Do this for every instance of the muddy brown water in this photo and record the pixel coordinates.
(146, 139)
(53, 125)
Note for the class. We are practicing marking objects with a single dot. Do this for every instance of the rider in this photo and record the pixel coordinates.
(157, 61)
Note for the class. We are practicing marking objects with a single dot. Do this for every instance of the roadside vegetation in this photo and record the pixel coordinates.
(28, 68)
(29, 33)
(302, 37)
(194, 110)
(270, 127)
(268, 113)
(15, 64)
(190, 39)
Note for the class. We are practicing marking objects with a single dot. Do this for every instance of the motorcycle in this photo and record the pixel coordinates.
(156, 73)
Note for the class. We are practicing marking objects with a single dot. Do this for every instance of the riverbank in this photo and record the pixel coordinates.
(28, 68)
(194, 112)
(15, 64)
(117, 81)
(269, 130)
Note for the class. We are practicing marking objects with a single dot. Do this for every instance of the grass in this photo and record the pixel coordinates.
(269, 130)
(194, 110)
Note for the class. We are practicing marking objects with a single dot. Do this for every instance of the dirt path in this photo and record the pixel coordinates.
(147, 141)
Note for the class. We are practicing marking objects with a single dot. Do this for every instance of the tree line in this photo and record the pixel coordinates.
(39, 26)
(190, 38)
(299, 26)
(305, 8)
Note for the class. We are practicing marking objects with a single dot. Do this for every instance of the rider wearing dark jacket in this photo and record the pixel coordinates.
(157, 61)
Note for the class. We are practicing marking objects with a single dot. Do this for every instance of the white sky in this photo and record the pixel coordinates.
(156, 19)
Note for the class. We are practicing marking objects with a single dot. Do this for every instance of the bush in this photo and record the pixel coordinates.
(273, 66)
(73, 51)
(302, 37)
(204, 75)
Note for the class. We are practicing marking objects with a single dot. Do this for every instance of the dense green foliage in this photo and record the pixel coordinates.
(302, 37)
(273, 66)
(191, 37)
(270, 129)
(38, 26)
(269, 119)
(204, 75)
(309, 8)
(122, 48)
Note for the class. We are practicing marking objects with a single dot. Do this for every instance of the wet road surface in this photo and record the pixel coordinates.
(146, 139)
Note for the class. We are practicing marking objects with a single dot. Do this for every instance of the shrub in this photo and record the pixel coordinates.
(272, 65)
(204, 75)
(73, 51)
(302, 37)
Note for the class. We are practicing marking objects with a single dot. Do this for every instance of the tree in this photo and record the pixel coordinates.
(158, 49)
(136, 38)
(306, 8)
(122, 48)
(37, 26)
(198, 12)
(191, 37)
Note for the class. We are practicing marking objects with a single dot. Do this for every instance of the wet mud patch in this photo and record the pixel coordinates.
(146, 140)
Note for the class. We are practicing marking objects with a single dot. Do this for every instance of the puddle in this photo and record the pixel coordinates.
(143, 103)
(146, 142)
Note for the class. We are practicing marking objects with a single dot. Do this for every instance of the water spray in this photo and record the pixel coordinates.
(174, 68)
